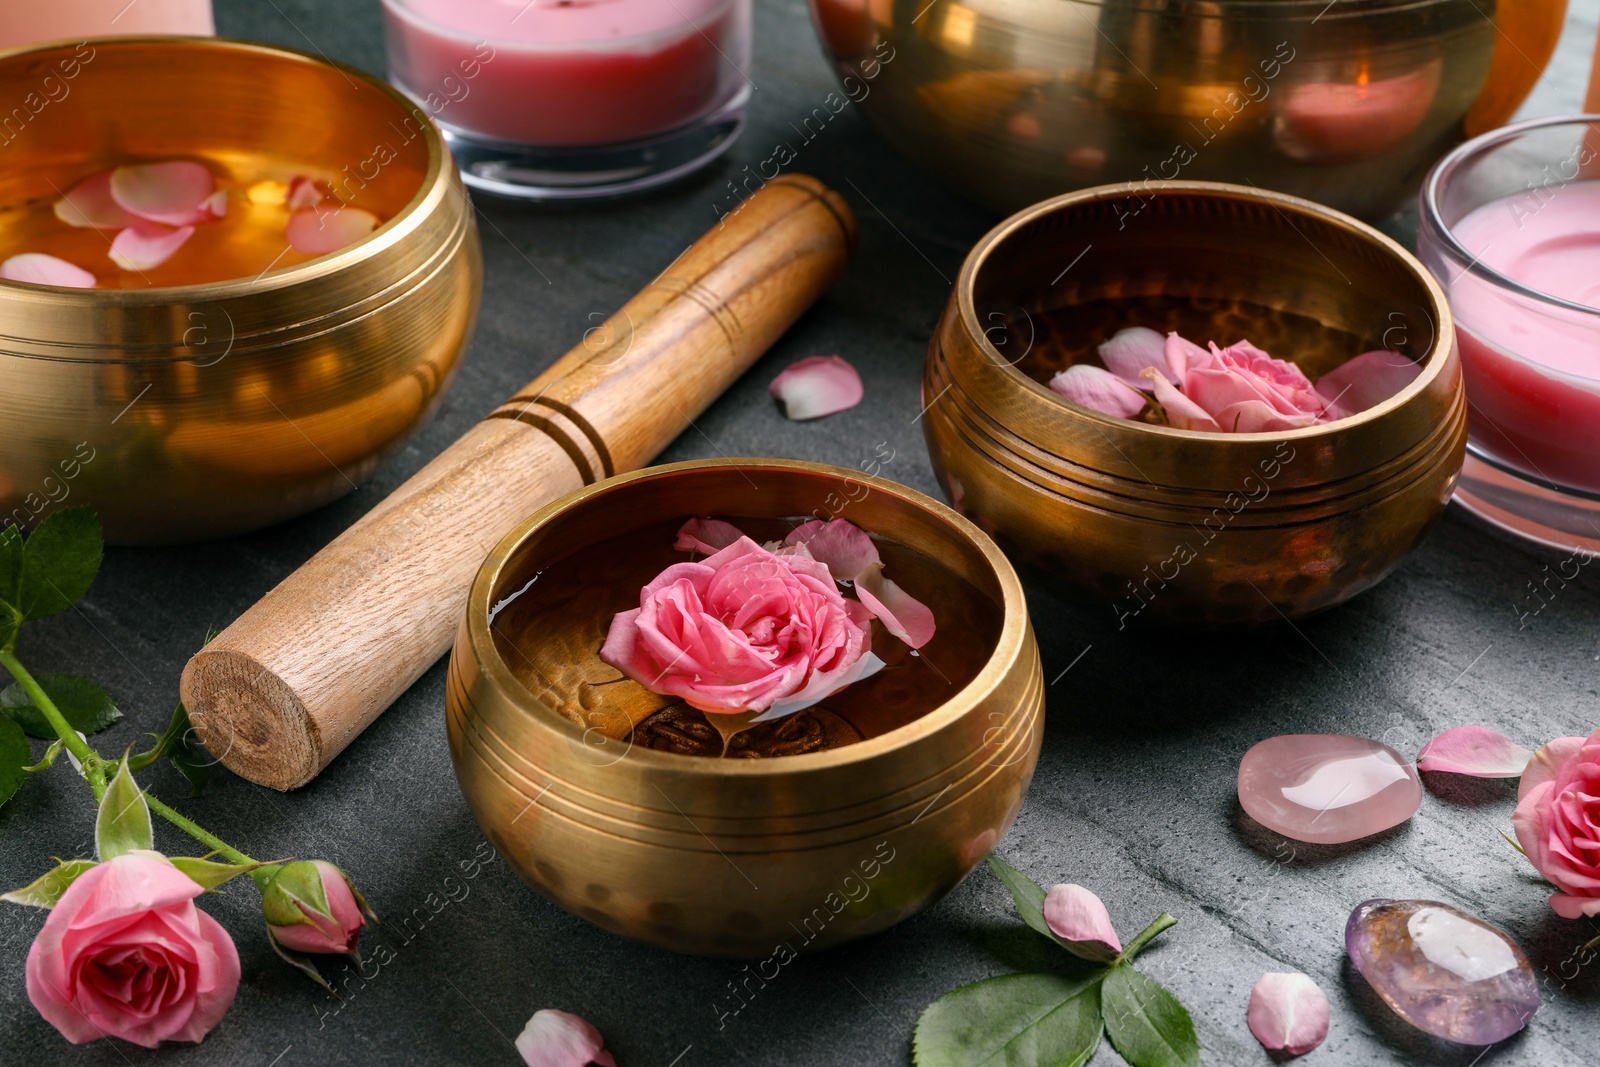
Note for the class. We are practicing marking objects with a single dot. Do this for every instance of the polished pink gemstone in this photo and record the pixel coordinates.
(1327, 788)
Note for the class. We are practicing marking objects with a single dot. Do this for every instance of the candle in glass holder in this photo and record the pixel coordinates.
(32, 23)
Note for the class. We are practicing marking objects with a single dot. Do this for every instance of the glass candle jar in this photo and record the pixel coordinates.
(59, 20)
(570, 99)
(1510, 225)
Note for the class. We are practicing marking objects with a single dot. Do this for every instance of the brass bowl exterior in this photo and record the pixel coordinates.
(737, 857)
(1013, 101)
(1182, 526)
(196, 411)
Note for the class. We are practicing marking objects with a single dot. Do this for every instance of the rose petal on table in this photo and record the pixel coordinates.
(1288, 1013)
(40, 269)
(143, 246)
(843, 547)
(1475, 750)
(303, 192)
(89, 205)
(1079, 918)
(559, 1039)
(902, 614)
(315, 233)
(169, 192)
(817, 386)
(1131, 351)
(1181, 412)
(706, 535)
(1367, 380)
(1098, 390)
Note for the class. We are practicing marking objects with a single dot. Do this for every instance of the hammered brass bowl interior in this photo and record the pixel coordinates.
(1181, 526)
(1012, 101)
(736, 857)
(186, 412)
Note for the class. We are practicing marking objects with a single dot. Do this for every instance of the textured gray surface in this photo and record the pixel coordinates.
(1134, 792)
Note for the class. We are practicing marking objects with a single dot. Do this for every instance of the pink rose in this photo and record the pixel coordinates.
(743, 630)
(1238, 389)
(1558, 821)
(125, 953)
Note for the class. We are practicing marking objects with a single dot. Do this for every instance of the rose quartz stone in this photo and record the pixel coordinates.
(1327, 788)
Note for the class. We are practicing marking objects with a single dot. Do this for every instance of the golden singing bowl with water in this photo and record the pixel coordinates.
(186, 411)
(733, 857)
(1345, 103)
(1150, 522)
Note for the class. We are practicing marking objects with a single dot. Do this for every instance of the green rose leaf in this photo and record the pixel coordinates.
(124, 820)
(1015, 1020)
(1028, 895)
(186, 754)
(208, 873)
(59, 561)
(15, 755)
(48, 887)
(1146, 1023)
(88, 708)
(10, 578)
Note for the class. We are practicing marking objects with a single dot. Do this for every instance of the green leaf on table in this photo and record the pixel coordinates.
(88, 708)
(210, 874)
(1147, 1025)
(1015, 1020)
(185, 753)
(45, 890)
(59, 561)
(1026, 893)
(124, 820)
(15, 755)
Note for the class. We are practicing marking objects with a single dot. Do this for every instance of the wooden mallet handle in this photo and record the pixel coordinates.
(284, 689)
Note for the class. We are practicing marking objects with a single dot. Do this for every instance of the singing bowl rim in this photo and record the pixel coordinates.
(1433, 366)
(1010, 644)
(435, 181)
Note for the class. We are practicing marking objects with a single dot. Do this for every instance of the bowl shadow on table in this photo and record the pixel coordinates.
(1421, 1047)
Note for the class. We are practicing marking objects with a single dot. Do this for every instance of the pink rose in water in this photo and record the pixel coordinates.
(1558, 821)
(125, 953)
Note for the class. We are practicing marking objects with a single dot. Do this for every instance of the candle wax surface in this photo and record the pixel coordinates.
(605, 22)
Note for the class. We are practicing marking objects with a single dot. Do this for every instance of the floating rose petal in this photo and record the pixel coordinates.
(40, 269)
(817, 386)
(1474, 750)
(1367, 380)
(315, 233)
(214, 206)
(170, 193)
(1079, 918)
(89, 204)
(1131, 351)
(1181, 412)
(820, 688)
(902, 614)
(843, 546)
(143, 246)
(1288, 1013)
(303, 192)
(1099, 390)
(558, 1039)
(706, 535)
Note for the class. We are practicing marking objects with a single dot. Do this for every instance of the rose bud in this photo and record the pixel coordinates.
(1079, 919)
(311, 907)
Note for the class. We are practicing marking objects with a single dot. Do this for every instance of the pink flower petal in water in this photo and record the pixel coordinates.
(143, 246)
(1288, 1013)
(214, 206)
(1098, 390)
(170, 193)
(1181, 412)
(842, 546)
(315, 233)
(89, 204)
(709, 536)
(902, 614)
(303, 192)
(1367, 380)
(1131, 351)
(40, 269)
(817, 386)
(1079, 918)
(559, 1039)
(1474, 750)
(1182, 354)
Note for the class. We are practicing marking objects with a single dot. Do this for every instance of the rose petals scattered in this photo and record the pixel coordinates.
(1474, 750)
(1288, 1013)
(817, 386)
(1367, 380)
(1130, 352)
(902, 614)
(315, 233)
(1079, 918)
(170, 193)
(706, 535)
(303, 192)
(143, 246)
(1099, 390)
(559, 1039)
(40, 269)
(845, 548)
(89, 205)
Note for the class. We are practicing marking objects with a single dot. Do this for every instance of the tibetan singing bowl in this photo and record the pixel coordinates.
(732, 856)
(190, 411)
(1346, 103)
(1184, 526)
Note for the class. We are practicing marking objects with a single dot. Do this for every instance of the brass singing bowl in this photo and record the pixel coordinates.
(1183, 526)
(1012, 101)
(733, 857)
(183, 412)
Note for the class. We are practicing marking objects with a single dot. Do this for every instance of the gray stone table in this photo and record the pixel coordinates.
(1134, 794)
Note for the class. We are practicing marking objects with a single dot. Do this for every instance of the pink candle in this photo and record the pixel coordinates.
(568, 72)
(1319, 122)
(26, 22)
